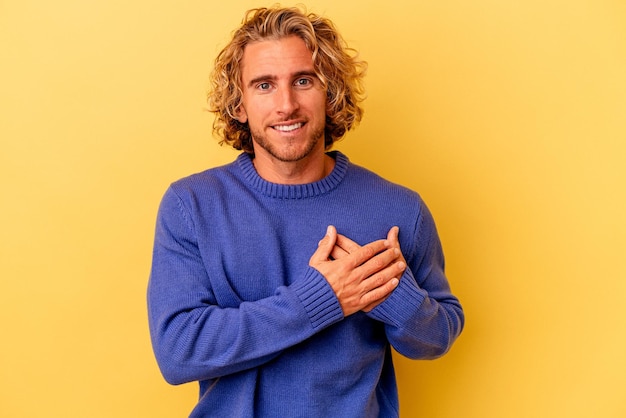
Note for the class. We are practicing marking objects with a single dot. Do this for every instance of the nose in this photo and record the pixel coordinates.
(287, 101)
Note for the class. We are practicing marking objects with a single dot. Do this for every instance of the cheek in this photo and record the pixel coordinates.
(320, 104)
(257, 110)
(324, 110)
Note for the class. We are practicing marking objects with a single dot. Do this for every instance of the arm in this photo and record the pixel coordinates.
(422, 317)
(361, 277)
(194, 338)
(197, 338)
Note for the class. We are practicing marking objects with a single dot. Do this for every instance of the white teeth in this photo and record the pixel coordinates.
(288, 128)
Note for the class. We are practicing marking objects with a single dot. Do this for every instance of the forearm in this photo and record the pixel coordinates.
(422, 317)
(201, 328)
(420, 324)
(195, 339)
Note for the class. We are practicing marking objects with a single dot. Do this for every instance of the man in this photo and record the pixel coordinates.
(281, 281)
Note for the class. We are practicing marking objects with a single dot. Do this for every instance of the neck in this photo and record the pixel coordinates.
(293, 172)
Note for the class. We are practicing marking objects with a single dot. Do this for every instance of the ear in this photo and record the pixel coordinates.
(241, 115)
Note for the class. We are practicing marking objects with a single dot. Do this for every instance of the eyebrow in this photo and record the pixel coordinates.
(269, 77)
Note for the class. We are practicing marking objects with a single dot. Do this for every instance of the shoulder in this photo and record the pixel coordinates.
(379, 186)
(189, 194)
(209, 181)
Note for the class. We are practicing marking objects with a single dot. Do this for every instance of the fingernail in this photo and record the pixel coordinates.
(329, 229)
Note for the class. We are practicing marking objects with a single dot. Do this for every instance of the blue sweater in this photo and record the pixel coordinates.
(234, 304)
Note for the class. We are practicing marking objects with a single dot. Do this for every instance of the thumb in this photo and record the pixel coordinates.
(392, 236)
(330, 239)
(326, 245)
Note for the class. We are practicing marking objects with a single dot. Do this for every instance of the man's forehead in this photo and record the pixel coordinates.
(276, 55)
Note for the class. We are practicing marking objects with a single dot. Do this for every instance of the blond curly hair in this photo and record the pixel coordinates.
(337, 66)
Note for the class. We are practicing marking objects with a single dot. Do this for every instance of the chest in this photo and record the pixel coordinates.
(251, 247)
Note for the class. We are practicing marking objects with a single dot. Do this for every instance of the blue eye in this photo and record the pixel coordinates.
(264, 86)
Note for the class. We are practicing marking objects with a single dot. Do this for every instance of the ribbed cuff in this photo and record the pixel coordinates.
(318, 299)
(403, 302)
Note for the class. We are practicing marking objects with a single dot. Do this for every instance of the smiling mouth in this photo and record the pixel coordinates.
(288, 128)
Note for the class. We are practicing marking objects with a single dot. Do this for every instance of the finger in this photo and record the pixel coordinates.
(394, 269)
(347, 244)
(338, 253)
(378, 263)
(394, 242)
(368, 253)
(392, 236)
(325, 246)
(372, 305)
(378, 295)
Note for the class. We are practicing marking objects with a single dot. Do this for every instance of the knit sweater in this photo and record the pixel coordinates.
(234, 304)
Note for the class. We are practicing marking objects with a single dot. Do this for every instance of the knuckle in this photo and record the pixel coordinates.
(379, 263)
(377, 280)
(368, 252)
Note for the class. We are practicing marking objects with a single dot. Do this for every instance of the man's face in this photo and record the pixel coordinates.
(283, 101)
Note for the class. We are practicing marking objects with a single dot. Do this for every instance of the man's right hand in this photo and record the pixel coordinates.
(363, 276)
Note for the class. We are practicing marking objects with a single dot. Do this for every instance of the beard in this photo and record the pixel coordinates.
(292, 150)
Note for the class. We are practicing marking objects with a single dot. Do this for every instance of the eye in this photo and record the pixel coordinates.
(303, 82)
(264, 86)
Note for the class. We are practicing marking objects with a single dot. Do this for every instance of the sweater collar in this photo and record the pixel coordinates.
(294, 191)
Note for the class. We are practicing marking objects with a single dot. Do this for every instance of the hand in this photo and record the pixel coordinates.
(345, 246)
(361, 276)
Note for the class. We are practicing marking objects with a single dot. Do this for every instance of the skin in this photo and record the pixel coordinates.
(361, 276)
(284, 104)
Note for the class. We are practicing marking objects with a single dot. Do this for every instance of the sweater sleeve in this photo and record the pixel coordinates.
(196, 339)
(422, 317)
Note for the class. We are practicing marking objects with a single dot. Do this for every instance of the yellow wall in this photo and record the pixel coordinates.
(508, 116)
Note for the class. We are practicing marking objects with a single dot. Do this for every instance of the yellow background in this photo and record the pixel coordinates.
(509, 117)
